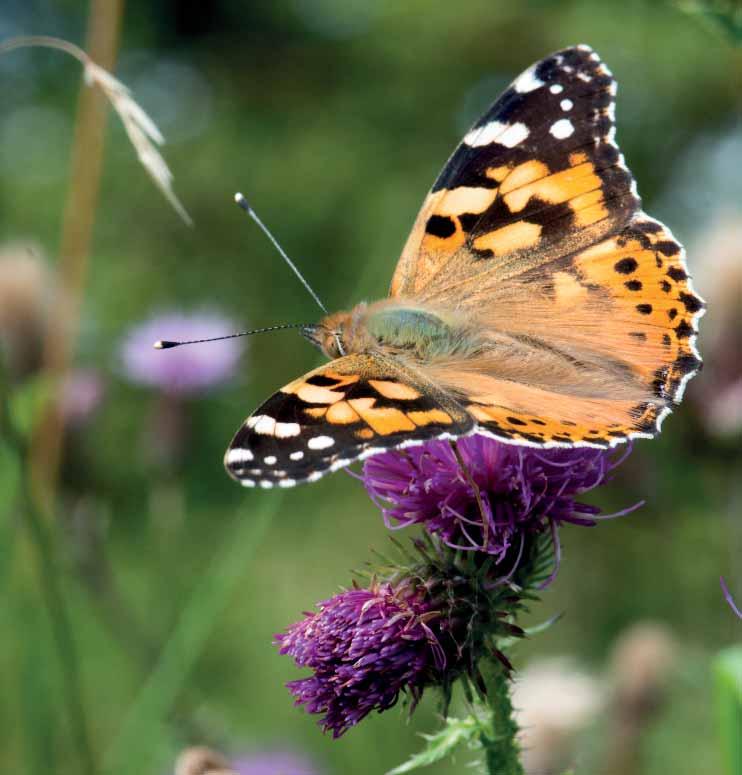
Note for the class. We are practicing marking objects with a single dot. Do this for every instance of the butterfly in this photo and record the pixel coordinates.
(534, 302)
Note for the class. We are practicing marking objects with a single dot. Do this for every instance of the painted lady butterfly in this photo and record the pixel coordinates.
(534, 302)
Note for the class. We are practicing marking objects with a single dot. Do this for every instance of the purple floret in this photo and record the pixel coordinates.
(523, 491)
(364, 646)
(181, 371)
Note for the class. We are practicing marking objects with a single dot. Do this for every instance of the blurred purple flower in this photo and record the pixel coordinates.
(522, 491)
(199, 760)
(181, 371)
(273, 763)
(365, 646)
(82, 393)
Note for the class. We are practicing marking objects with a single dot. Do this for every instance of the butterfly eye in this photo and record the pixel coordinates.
(338, 343)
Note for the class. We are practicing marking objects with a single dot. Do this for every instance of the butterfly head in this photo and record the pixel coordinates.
(340, 334)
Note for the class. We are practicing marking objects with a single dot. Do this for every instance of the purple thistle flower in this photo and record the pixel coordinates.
(181, 371)
(365, 646)
(522, 491)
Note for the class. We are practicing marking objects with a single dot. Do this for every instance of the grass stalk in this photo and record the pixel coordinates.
(133, 750)
(77, 228)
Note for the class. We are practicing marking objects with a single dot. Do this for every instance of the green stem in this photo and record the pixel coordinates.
(502, 752)
(51, 587)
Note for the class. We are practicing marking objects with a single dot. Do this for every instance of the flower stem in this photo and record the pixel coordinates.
(500, 744)
(52, 591)
(104, 24)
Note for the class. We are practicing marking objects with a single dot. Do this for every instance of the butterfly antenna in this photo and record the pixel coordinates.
(245, 205)
(164, 344)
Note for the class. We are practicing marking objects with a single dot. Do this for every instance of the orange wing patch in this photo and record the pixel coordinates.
(655, 310)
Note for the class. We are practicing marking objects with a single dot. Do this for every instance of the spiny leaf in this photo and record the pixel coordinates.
(506, 643)
(441, 744)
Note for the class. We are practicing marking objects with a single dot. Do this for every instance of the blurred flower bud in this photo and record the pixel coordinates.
(643, 658)
(554, 701)
(25, 293)
(200, 760)
(718, 392)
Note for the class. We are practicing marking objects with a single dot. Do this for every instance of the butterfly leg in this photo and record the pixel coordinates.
(477, 493)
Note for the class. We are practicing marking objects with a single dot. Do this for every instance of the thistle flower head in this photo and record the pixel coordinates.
(364, 646)
(485, 495)
(181, 371)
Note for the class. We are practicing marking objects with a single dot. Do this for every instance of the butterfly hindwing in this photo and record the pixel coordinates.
(603, 353)
(348, 409)
(537, 176)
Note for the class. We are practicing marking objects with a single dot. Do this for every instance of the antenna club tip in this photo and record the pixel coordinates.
(163, 344)
(239, 198)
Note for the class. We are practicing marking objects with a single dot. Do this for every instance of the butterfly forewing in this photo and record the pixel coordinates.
(537, 176)
(345, 410)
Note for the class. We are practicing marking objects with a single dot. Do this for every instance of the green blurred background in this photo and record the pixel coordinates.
(334, 117)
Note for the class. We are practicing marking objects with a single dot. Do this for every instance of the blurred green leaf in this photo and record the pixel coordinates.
(442, 744)
(132, 750)
(10, 477)
(723, 16)
(38, 701)
(728, 683)
(26, 402)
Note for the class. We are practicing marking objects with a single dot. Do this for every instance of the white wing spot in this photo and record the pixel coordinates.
(320, 442)
(584, 77)
(508, 135)
(247, 482)
(556, 88)
(561, 129)
(287, 483)
(285, 430)
(263, 424)
(527, 81)
(566, 104)
(296, 455)
(239, 455)
(266, 484)
(270, 460)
